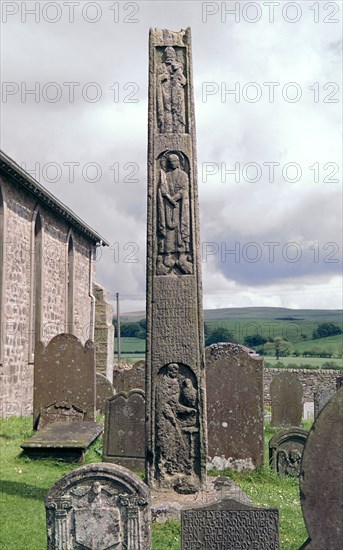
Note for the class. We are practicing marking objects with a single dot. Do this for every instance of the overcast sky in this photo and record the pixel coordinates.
(271, 231)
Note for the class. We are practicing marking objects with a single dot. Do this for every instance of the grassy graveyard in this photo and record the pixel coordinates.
(24, 483)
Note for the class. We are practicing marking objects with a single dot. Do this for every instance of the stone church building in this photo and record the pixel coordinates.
(47, 283)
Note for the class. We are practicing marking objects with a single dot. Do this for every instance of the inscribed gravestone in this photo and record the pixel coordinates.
(124, 436)
(234, 393)
(286, 400)
(321, 478)
(230, 525)
(104, 391)
(99, 506)
(321, 397)
(64, 376)
(286, 449)
(125, 380)
(176, 416)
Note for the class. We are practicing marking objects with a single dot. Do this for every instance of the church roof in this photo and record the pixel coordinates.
(15, 172)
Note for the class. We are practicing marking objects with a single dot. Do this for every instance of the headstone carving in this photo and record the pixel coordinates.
(104, 391)
(170, 90)
(286, 394)
(286, 450)
(102, 506)
(174, 296)
(64, 372)
(59, 412)
(124, 436)
(234, 393)
(321, 397)
(321, 478)
(229, 524)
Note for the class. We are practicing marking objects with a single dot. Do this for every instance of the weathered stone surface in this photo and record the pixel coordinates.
(286, 398)
(229, 524)
(64, 373)
(104, 391)
(321, 478)
(99, 506)
(125, 380)
(339, 381)
(321, 397)
(234, 390)
(103, 332)
(60, 440)
(176, 415)
(124, 437)
(286, 450)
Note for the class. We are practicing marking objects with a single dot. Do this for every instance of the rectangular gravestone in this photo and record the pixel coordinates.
(124, 436)
(230, 525)
(286, 393)
(234, 390)
(104, 391)
(308, 410)
(98, 507)
(66, 441)
(64, 381)
(176, 415)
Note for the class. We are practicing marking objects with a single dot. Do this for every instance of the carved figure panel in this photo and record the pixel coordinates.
(173, 216)
(170, 87)
(177, 427)
(286, 450)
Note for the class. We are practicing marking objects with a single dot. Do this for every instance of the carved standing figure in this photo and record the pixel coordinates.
(176, 420)
(170, 94)
(173, 218)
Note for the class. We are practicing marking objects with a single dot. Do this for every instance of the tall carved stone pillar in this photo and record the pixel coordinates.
(175, 384)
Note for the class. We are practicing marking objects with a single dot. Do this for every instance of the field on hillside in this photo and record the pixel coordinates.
(296, 326)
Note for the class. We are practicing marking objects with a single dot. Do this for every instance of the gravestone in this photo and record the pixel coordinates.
(104, 391)
(231, 525)
(286, 394)
(308, 410)
(286, 449)
(175, 393)
(125, 380)
(234, 393)
(124, 436)
(321, 478)
(321, 397)
(339, 382)
(99, 506)
(64, 381)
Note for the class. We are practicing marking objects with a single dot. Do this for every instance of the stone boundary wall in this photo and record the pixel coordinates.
(310, 379)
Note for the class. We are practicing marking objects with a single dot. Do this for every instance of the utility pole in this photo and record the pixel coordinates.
(118, 329)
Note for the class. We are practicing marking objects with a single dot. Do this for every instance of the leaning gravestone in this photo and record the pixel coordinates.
(321, 478)
(125, 380)
(124, 436)
(104, 391)
(234, 393)
(175, 393)
(99, 507)
(64, 381)
(286, 449)
(231, 525)
(321, 397)
(286, 394)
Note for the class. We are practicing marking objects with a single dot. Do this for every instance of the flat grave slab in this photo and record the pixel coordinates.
(68, 441)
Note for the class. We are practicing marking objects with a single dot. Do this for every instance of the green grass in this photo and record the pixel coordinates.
(315, 362)
(24, 483)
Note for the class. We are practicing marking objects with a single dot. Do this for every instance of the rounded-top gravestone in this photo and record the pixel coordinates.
(99, 506)
(321, 478)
